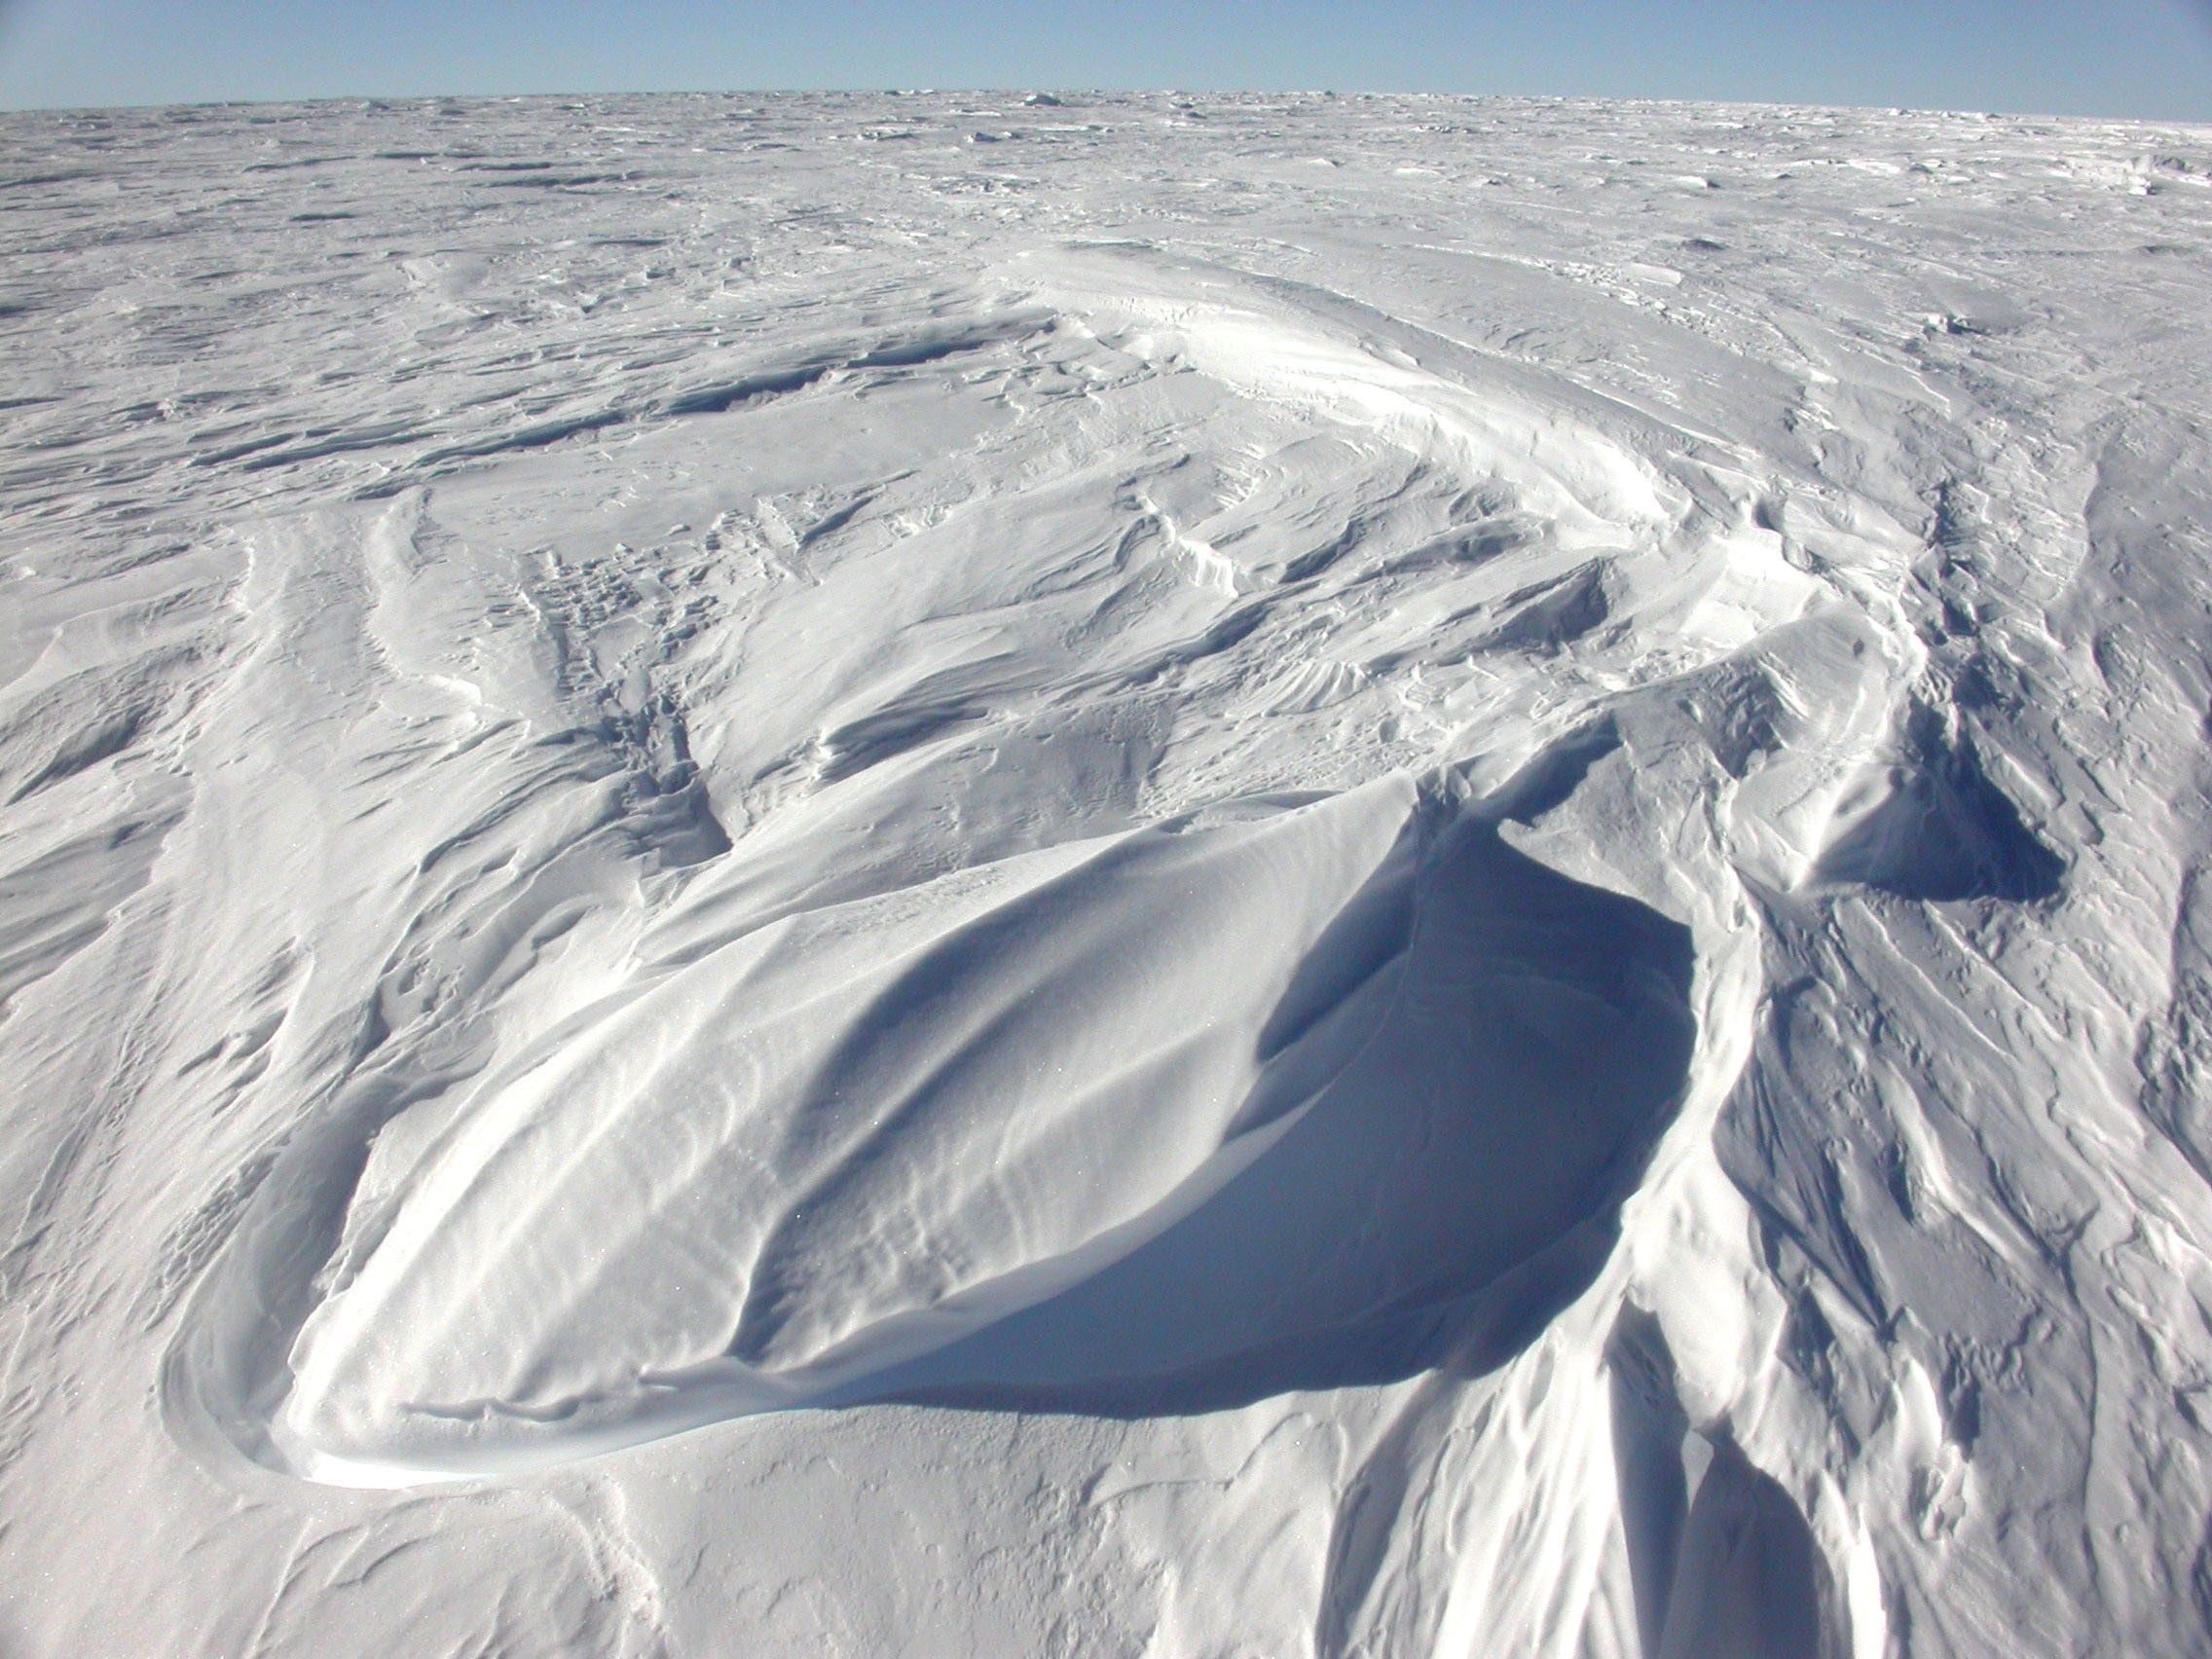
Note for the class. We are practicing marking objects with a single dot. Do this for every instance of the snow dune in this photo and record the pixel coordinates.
(857, 1117)
(765, 870)
(1185, 1118)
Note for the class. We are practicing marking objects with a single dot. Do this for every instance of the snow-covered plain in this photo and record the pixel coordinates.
(930, 875)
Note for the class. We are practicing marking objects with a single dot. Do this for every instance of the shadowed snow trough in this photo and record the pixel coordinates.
(921, 875)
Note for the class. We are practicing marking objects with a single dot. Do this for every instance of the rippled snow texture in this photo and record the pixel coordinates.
(944, 874)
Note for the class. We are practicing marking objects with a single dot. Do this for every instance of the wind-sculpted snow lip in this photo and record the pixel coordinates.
(1276, 1097)
(1407, 1156)
(1279, 1096)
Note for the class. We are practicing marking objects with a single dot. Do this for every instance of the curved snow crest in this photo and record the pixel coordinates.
(1138, 866)
(1047, 1102)
(1563, 454)
(1158, 1123)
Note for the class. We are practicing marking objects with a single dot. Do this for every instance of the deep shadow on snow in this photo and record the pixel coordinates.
(1446, 1191)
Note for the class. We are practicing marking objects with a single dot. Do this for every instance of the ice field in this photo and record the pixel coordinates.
(936, 874)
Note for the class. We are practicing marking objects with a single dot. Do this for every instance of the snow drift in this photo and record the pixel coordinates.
(929, 874)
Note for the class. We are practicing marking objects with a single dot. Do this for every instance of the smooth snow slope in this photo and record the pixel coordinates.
(917, 875)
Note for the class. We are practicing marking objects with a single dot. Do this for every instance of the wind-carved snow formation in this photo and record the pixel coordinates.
(930, 875)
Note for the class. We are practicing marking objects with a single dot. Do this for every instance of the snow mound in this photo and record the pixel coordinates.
(1170, 1121)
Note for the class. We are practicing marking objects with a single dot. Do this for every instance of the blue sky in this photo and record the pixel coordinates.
(2142, 57)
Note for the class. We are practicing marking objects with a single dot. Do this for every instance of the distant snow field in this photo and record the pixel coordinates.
(923, 874)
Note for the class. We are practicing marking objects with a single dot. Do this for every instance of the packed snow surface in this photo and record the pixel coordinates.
(918, 874)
